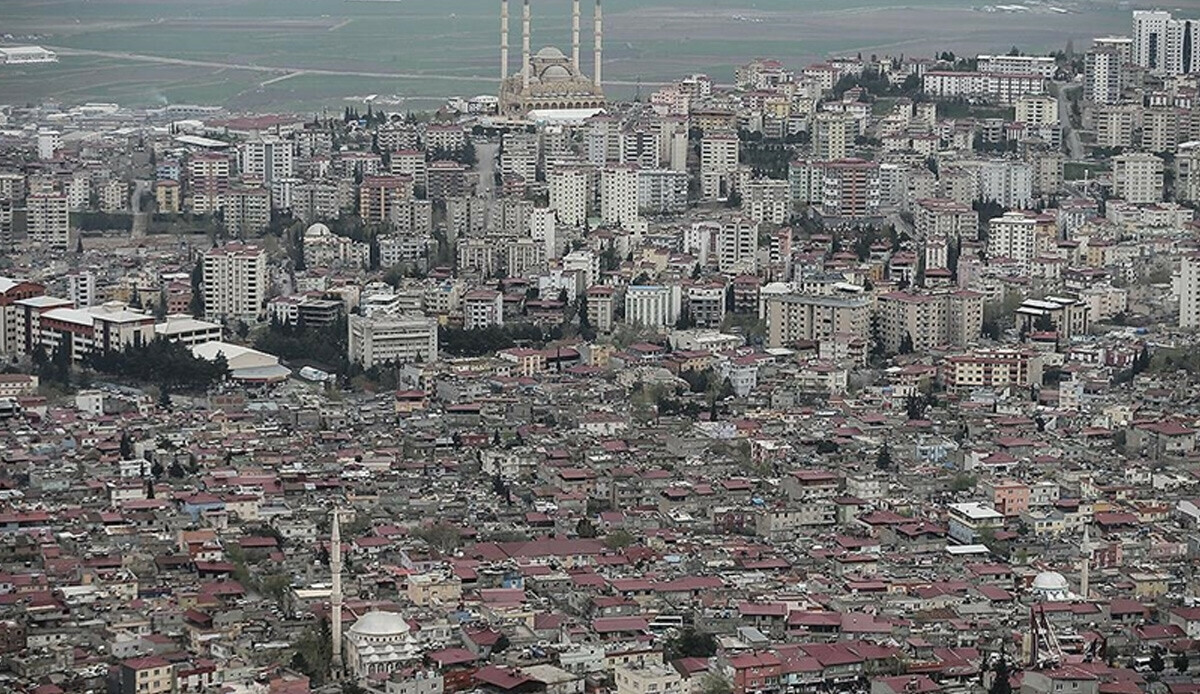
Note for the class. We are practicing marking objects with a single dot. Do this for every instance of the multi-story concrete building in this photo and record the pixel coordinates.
(483, 308)
(706, 305)
(850, 190)
(652, 306)
(392, 339)
(925, 321)
(1013, 236)
(767, 200)
(235, 282)
(1164, 45)
(1037, 109)
(1115, 124)
(266, 159)
(619, 195)
(7, 218)
(1066, 316)
(600, 304)
(1137, 177)
(1189, 291)
(84, 331)
(662, 191)
(569, 197)
(945, 218)
(313, 201)
(410, 162)
(737, 247)
(378, 194)
(49, 219)
(168, 197)
(996, 87)
(247, 211)
(719, 159)
(1102, 70)
(12, 291)
(1018, 65)
(794, 317)
(208, 181)
(832, 136)
(997, 369)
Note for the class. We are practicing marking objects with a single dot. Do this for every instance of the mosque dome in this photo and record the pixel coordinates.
(1049, 581)
(379, 623)
(317, 229)
(1051, 586)
(556, 73)
(550, 53)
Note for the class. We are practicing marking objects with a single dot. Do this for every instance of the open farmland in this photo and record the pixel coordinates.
(309, 54)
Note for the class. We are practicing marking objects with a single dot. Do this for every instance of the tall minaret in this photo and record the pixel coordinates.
(1085, 568)
(335, 595)
(599, 42)
(575, 35)
(503, 40)
(525, 47)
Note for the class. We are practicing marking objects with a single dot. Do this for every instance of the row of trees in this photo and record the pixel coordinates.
(170, 365)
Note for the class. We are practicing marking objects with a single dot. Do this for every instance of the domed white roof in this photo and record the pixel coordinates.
(550, 53)
(379, 623)
(556, 73)
(317, 229)
(1050, 582)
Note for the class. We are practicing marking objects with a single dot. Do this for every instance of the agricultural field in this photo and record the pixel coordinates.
(311, 54)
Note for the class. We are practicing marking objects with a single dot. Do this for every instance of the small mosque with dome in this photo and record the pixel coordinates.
(549, 80)
(379, 643)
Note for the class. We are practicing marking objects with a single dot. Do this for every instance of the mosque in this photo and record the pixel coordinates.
(549, 80)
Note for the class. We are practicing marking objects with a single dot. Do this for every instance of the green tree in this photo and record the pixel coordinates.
(1001, 678)
(715, 683)
(619, 539)
(1181, 662)
(585, 528)
(689, 643)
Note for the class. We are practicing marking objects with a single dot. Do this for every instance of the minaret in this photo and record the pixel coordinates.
(575, 36)
(503, 40)
(525, 47)
(599, 42)
(335, 595)
(1085, 569)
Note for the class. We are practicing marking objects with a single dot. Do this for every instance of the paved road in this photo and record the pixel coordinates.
(277, 69)
(1070, 135)
(487, 154)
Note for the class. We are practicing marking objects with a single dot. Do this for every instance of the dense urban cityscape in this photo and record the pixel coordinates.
(878, 374)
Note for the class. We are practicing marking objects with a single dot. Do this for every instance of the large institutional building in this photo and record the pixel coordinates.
(549, 80)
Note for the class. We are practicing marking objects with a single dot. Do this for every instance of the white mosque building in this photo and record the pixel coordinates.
(379, 642)
(550, 80)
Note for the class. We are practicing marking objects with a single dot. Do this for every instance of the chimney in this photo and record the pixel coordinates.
(503, 40)
(575, 35)
(599, 42)
(525, 46)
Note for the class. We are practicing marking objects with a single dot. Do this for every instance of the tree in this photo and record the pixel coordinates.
(1157, 665)
(906, 344)
(619, 539)
(1181, 662)
(156, 469)
(442, 536)
(126, 446)
(715, 683)
(689, 643)
(176, 470)
(501, 645)
(196, 305)
(585, 528)
(884, 461)
(1001, 682)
